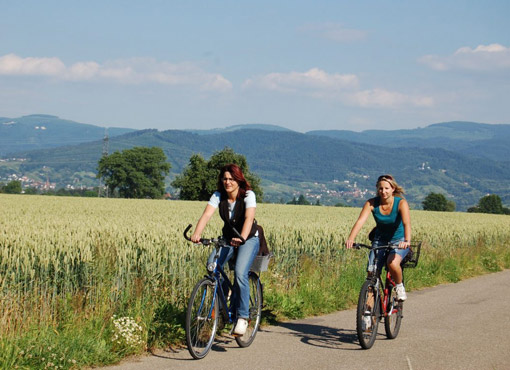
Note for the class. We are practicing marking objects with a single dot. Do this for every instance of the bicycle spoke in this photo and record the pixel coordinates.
(201, 319)
(255, 311)
(393, 318)
(367, 318)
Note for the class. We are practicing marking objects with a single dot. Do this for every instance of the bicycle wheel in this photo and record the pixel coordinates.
(255, 312)
(393, 317)
(201, 319)
(368, 314)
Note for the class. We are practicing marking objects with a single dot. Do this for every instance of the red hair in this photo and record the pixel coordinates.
(238, 176)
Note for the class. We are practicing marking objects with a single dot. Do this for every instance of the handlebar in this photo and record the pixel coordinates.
(202, 240)
(210, 241)
(361, 245)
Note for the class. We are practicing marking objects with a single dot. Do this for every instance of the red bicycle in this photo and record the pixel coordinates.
(377, 300)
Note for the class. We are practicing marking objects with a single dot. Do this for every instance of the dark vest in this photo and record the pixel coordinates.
(237, 221)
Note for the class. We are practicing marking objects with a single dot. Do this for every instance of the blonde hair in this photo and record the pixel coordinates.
(399, 190)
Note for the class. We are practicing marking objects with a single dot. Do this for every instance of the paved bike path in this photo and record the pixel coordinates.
(453, 326)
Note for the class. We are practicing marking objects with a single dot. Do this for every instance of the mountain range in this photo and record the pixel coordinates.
(40, 131)
(462, 160)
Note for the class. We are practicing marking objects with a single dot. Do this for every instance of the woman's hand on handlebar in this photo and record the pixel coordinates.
(349, 243)
(195, 238)
(404, 245)
(236, 242)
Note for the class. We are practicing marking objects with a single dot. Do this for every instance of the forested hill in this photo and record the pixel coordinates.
(40, 131)
(469, 138)
(287, 160)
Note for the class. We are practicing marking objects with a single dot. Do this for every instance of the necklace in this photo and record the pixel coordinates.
(386, 208)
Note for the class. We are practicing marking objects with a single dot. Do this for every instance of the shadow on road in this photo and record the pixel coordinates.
(222, 343)
(322, 336)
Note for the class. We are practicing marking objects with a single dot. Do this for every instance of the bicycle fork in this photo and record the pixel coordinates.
(374, 303)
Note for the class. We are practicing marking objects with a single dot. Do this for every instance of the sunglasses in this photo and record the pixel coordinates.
(385, 177)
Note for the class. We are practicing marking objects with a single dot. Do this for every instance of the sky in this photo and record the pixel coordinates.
(303, 65)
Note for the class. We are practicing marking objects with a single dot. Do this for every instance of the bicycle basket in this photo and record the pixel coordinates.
(411, 260)
(260, 263)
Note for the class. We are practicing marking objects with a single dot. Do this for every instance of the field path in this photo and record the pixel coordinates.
(454, 326)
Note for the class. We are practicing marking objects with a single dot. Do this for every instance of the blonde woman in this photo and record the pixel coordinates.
(393, 225)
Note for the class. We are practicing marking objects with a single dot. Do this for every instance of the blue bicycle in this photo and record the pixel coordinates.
(210, 306)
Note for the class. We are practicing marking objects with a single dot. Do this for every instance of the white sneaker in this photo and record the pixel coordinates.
(241, 326)
(401, 293)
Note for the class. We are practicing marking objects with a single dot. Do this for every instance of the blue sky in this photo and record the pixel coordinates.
(303, 65)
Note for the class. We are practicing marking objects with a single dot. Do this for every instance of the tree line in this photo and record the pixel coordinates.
(140, 172)
(488, 204)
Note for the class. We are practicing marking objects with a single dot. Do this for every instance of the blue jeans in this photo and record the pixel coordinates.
(383, 254)
(246, 253)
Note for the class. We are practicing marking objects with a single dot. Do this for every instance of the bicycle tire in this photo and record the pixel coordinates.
(255, 312)
(393, 318)
(369, 301)
(201, 318)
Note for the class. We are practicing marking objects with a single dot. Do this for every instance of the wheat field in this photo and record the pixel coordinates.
(62, 256)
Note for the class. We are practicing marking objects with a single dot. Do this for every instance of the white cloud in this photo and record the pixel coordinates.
(12, 64)
(319, 84)
(127, 71)
(482, 58)
(335, 32)
(384, 98)
(83, 70)
(314, 80)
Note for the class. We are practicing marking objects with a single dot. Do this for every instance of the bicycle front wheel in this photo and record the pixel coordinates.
(393, 317)
(201, 319)
(255, 312)
(368, 314)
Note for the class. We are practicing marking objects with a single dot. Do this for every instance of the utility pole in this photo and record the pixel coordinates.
(104, 154)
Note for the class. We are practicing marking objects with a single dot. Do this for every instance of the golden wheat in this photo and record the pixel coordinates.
(88, 250)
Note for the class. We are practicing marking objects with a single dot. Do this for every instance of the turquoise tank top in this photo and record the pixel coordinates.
(390, 228)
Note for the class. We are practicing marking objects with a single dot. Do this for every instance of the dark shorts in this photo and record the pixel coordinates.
(383, 254)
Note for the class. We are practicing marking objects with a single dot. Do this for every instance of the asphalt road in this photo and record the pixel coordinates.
(454, 326)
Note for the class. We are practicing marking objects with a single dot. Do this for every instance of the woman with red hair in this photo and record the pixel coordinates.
(236, 202)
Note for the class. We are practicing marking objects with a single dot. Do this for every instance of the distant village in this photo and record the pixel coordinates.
(315, 193)
(37, 184)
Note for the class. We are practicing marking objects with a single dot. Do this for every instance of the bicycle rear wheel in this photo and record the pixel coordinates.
(368, 314)
(201, 318)
(255, 312)
(393, 317)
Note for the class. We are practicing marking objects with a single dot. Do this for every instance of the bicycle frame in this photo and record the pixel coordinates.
(377, 301)
(389, 284)
(216, 276)
(209, 296)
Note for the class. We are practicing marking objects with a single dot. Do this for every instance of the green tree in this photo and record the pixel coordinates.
(12, 187)
(438, 202)
(31, 191)
(199, 178)
(293, 201)
(194, 181)
(136, 173)
(301, 200)
(490, 204)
